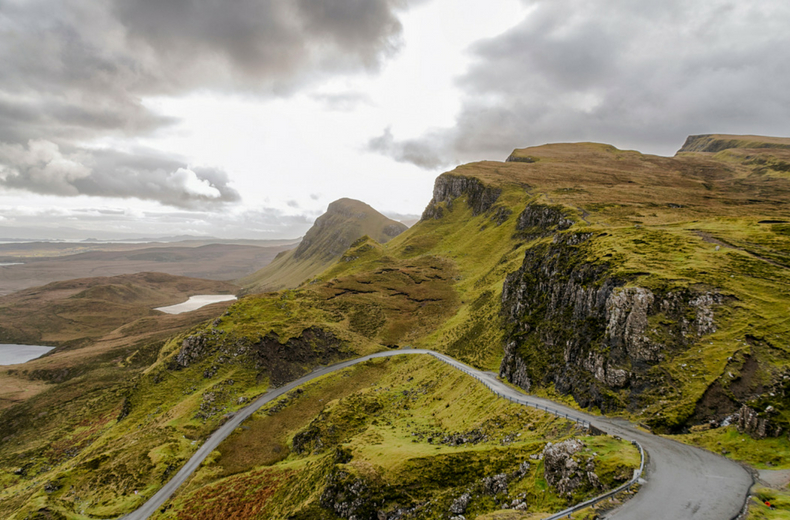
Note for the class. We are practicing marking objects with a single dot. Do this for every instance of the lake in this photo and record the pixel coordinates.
(196, 302)
(15, 354)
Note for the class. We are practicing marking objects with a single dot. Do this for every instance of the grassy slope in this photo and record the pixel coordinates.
(386, 420)
(345, 221)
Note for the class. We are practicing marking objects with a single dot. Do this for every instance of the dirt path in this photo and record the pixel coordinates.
(683, 482)
(707, 237)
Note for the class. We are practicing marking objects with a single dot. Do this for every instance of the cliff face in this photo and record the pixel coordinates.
(575, 325)
(449, 187)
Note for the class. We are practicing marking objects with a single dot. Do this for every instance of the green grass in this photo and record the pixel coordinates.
(383, 423)
(770, 453)
(779, 499)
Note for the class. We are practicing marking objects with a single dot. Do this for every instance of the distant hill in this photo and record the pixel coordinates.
(345, 221)
(77, 312)
(712, 143)
(39, 263)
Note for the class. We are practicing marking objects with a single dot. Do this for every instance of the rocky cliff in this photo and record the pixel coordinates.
(449, 187)
(574, 324)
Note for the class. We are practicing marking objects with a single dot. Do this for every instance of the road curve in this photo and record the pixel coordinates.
(683, 482)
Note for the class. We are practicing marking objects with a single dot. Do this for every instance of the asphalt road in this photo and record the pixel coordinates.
(682, 482)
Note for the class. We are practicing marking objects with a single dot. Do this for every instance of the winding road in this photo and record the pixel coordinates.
(682, 482)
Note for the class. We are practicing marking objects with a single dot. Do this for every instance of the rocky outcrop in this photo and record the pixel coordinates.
(566, 470)
(286, 361)
(449, 187)
(193, 348)
(459, 505)
(283, 361)
(495, 485)
(543, 220)
(755, 424)
(574, 324)
(350, 497)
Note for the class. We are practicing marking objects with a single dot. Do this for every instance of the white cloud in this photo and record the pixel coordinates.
(43, 164)
(188, 182)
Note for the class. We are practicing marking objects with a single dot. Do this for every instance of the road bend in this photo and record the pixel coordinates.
(682, 482)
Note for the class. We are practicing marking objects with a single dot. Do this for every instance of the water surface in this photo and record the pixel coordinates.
(15, 354)
(196, 302)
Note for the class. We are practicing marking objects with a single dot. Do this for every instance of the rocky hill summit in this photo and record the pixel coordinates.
(345, 221)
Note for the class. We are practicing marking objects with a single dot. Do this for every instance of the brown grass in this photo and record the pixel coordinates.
(262, 440)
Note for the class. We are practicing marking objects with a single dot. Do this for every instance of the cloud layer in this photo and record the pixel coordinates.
(636, 74)
(77, 70)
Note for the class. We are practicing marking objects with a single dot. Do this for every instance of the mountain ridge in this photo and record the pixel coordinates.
(345, 221)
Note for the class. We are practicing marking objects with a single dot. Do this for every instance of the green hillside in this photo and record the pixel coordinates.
(345, 221)
(652, 287)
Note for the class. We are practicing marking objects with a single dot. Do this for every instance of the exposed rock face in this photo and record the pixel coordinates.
(283, 362)
(192, 349)
(349, 497)
(574, 324)
(749, 421)
(566, 470)
(496, 485)
(449, 187)
(287, 361)
(545, 218)
(460, 504)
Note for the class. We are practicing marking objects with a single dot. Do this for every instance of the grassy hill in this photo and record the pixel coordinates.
(652, 287)
(76, 312)
(37, 264)
(345, 221)
(94, 322)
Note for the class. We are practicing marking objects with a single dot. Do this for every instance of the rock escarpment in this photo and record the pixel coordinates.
(576, 325)
(756, 424)
(449, 187)
(283, 361)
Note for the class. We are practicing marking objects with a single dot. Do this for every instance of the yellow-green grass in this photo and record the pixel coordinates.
(769, 453)
(380, 415)
(779, 500)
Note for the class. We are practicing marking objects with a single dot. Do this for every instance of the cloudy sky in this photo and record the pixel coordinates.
(247, 118)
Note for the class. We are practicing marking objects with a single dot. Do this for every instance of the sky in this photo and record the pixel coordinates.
(245, 119)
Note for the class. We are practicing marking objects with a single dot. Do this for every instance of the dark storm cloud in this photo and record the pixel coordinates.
(426, 152)
(76, 70)
(638, 75)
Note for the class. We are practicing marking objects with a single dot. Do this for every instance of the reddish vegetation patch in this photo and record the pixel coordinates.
(88, 431)
(242, 496)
